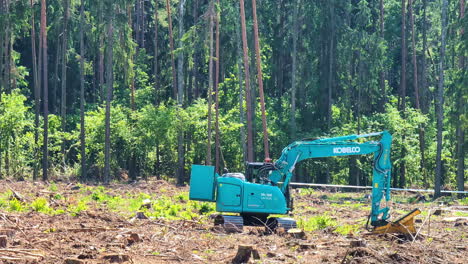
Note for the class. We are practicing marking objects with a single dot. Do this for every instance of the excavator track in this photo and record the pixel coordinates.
(283, 222)
(230, 223)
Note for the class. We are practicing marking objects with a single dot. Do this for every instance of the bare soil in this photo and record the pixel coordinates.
(99, 235)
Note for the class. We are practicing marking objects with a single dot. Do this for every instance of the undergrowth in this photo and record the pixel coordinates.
(316, 223)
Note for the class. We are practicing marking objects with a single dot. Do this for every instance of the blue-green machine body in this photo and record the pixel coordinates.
(265, 190)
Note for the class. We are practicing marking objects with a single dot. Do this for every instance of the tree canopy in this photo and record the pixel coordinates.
(326, 68)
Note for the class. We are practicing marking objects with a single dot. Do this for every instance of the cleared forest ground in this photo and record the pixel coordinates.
(76, 223)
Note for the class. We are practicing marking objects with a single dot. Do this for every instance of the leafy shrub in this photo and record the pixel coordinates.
(347, 229)
(317, 223)
(464, 201)
(41, 205)
(206, 208)
(53, 187)
(16, 206)
(76, 209)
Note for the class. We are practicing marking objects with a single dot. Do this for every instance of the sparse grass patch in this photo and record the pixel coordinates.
(463, 201)
(41, 205)
(317, 223)
(16, 206)
(350, 204)
(347, 229)
(206, 208)
(352, 197)
(462, 214)
(53, 187)
(76, 209)
(183, 196)
(307, 191)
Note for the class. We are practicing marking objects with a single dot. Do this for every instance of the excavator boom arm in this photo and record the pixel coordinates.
(343, 146)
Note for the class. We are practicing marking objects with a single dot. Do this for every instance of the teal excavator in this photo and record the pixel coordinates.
(264, 189)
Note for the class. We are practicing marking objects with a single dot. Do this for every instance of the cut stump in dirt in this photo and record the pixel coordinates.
(140, 215)
(7, 232)
(134, 238)
(116, 258)
(358, 243)
(244, 252)
(3, 241)
(73, 261)
(297, 233)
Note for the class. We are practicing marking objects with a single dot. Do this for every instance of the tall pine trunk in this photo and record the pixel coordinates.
(241, 88)
(180, 96)
(383, 95)
(210, 83)
(216, 86)
(109, 80)
(416, 89)
(460, 112)
(171, 44)
(440, 102)
(45, 82)
(196, 55)
(63, 101)
(101, 58)
(82, 96)
(260, 82)
(423, 87)
(402, 179)
(295, 34)
(156, 53)
(55, 80)
(36, 93)
(248, 93)
(330, 66)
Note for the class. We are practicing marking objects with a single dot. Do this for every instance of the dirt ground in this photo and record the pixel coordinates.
(62, 232)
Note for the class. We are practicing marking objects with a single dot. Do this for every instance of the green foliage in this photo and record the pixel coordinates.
(464, 201)
(16, 206)
(317, 223)
(15, 134)
(340, 50)
(76, 208)
(41, 205)
(53, 187)
(347, 229)
(206, 208)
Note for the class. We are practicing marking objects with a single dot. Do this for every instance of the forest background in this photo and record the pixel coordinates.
(98, 89)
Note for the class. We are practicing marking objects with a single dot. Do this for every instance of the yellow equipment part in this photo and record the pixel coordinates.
(403, 225)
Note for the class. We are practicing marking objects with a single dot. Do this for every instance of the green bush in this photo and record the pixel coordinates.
(16, 206)
(317, 223)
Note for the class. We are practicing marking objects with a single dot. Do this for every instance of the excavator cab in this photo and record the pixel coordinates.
(252, 169)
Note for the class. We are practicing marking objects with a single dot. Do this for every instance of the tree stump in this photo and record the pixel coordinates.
(244, 252)
(297, 233)
(116, 258)
(358, 243)
(134, 238)
(3, 241)
(140, 215)
(73, 261)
